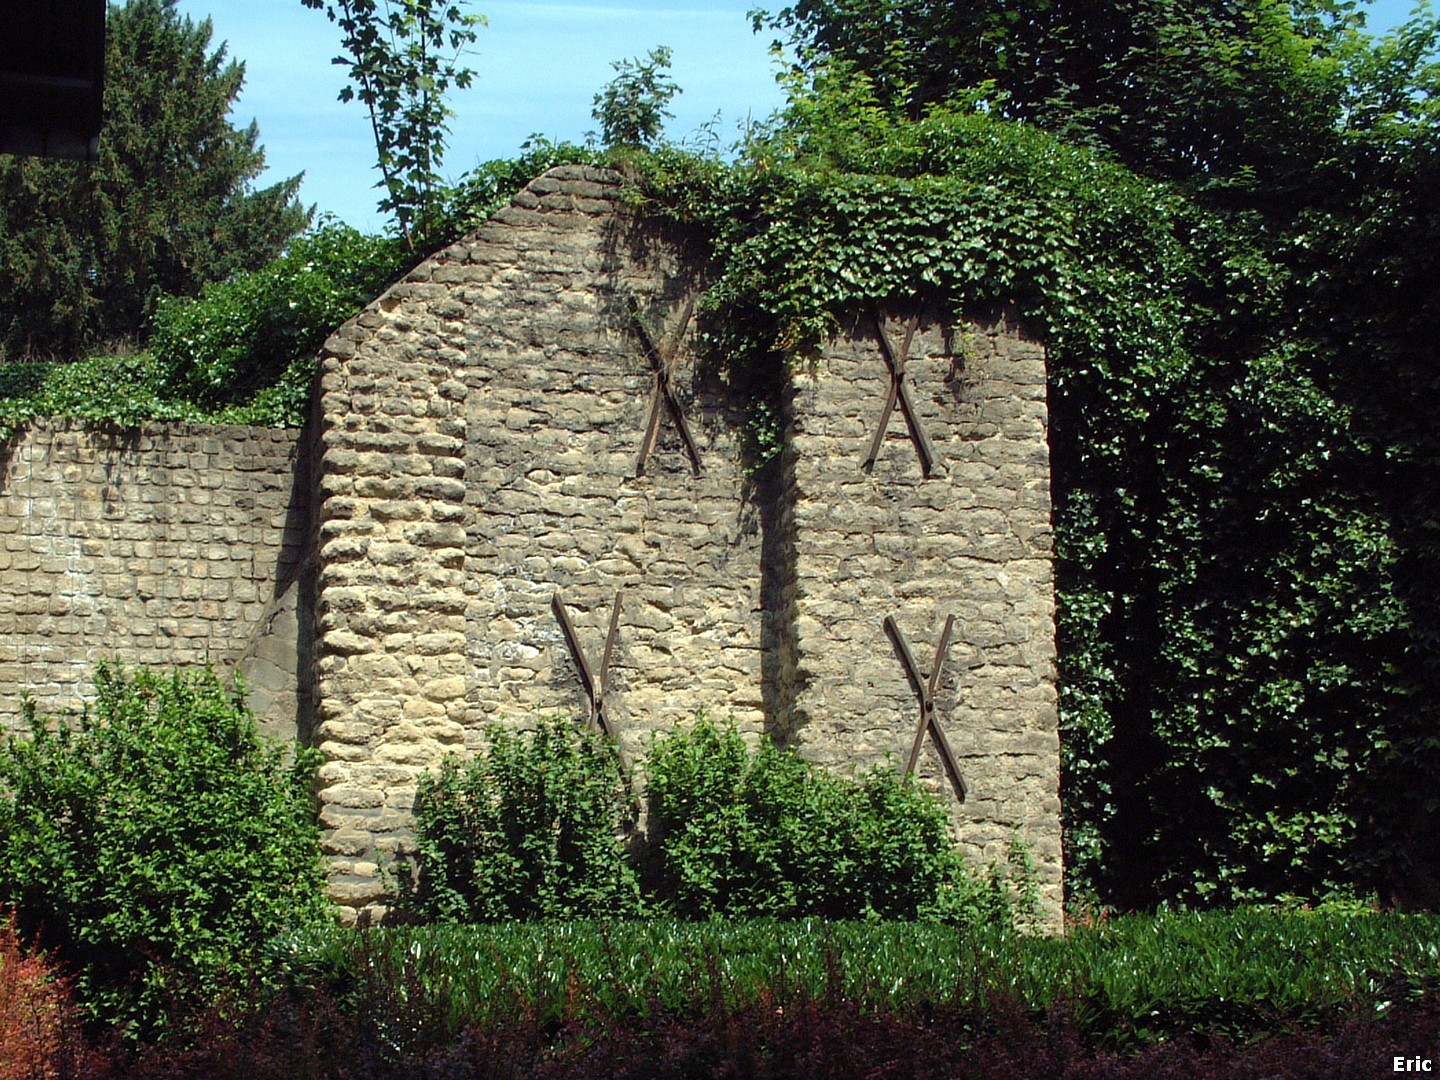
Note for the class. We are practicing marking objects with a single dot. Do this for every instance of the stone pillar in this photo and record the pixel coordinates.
(390, 628)
(972, 540)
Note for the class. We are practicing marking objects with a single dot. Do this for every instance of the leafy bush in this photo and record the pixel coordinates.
(242, 334)
(1129, 984)
(536, 826)
(532, 828)
(762, 832)
(156, 843)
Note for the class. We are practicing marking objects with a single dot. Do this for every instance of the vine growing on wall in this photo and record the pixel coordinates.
(1224, 692)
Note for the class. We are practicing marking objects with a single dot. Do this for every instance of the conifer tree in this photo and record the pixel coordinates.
(86, 249)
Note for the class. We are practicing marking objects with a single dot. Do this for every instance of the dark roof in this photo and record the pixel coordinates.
(52, 71)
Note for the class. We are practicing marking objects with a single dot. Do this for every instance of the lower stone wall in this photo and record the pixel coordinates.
(164, 545)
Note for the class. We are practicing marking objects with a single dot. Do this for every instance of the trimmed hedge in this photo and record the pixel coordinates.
(1129, 981)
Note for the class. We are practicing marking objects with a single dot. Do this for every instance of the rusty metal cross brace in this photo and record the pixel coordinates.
(924, 687)
(664, 393)
(594, 688)
(895, 360)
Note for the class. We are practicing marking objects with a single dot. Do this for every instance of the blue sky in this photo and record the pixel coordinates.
(539, 64)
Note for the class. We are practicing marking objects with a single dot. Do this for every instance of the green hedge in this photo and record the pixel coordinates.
(1133, 979)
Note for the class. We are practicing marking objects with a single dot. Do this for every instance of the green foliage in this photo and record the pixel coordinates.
(243, 352)
(536, 827)
(1128, 980)
(155, 844)
(762, 833)
(1244, 460)
(632, 106)
(1231, 621)
(87, 248)
(402, 59)
(532, 828)
(243, 334)
(1251, 101)
(123, 390)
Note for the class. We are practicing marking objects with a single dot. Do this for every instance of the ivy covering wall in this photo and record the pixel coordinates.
(1232, 631)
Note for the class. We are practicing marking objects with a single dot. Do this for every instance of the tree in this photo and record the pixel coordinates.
(402, 57)
(1251, 99)
(631, 107)
(1245, 492)
(86, 250)
(156, 843)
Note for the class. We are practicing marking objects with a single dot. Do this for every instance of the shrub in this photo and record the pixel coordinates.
(156, 843)
(39, 1032)
(533, 828)
(243, 334)
(762, 832)
(1175, 995)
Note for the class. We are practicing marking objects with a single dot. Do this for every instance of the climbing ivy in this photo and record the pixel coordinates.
(1227, 612)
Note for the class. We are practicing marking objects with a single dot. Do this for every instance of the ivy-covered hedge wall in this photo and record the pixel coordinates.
(1229, 621)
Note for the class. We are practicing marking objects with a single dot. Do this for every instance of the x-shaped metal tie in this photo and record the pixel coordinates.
(594, 688)
(895, 360)
(924, 687)
(664, 393)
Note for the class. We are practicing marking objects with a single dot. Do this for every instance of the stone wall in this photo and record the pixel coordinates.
(482, 425)
(481, 449)
(165, 545)
(481, 442)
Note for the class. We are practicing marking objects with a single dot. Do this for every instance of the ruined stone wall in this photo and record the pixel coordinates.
(166, 545)
(481, 443)
(481, 449)
(482, 432)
